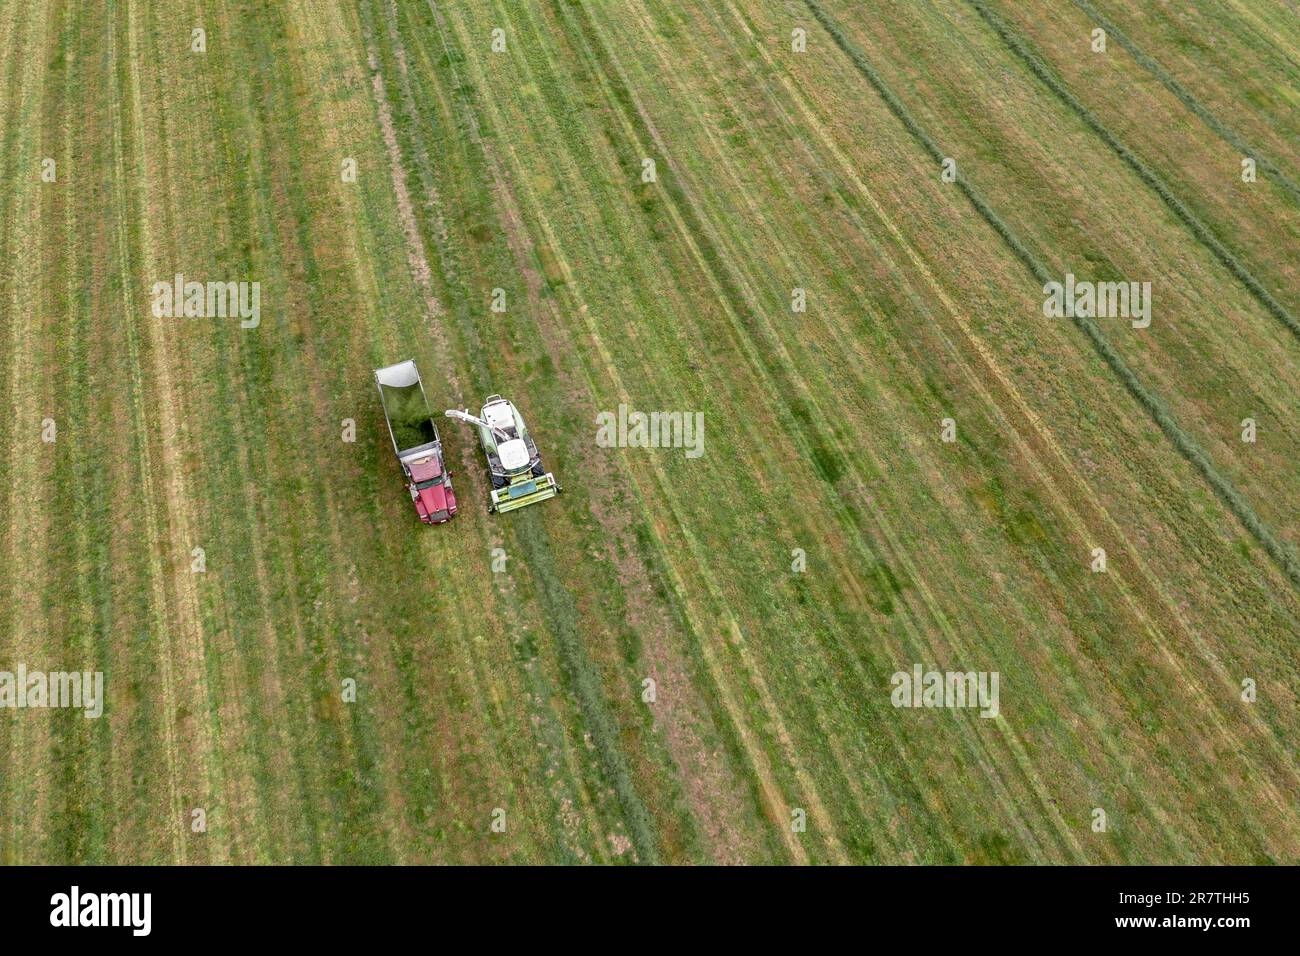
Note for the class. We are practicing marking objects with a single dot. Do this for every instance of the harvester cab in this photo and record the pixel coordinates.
(416, 442)
(514, 464)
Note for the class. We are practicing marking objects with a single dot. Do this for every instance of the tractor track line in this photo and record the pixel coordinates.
(131, 732)
(178, 497)
(238, 826)
(112, 771)
(1202, 232)
(1186, 446)
(1221, 129)
(417, 259)
(179, 500)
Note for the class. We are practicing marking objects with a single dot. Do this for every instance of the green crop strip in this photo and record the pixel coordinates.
(1201, 231)
(1186, 445)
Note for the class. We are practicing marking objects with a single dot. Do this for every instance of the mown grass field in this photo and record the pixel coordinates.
(827, 537)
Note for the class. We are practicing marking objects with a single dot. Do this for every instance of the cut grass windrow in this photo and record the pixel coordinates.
(1186, 445)
(1149, 176)
(168, 679)
(1221, 129)
(653, 554)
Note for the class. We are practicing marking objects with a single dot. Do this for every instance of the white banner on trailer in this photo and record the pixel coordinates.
(401, 375)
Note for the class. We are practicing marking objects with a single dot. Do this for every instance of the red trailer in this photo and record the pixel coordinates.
(415, 441)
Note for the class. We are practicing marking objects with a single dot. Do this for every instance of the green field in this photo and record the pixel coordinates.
(828, 536)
